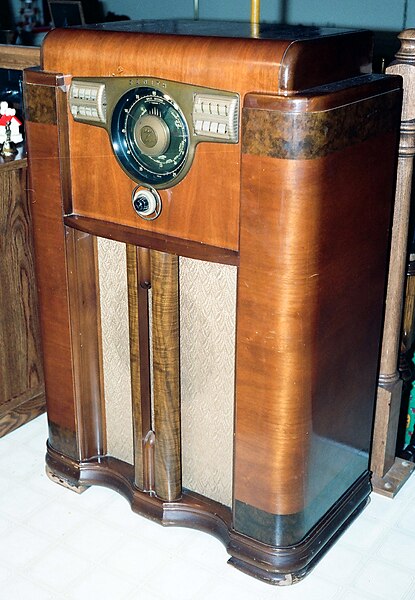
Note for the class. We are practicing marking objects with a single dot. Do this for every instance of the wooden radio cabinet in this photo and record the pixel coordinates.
(211, 211)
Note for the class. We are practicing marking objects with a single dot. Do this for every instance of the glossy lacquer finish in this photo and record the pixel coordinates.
(300, 205)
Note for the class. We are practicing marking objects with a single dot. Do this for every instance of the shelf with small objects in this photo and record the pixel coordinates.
(10, 134)
(11, 116)
(21, 371)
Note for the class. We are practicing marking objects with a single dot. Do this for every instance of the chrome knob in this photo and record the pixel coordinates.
(146, 203)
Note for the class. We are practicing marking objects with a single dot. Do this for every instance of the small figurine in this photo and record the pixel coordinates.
(8, 118)
(8, 149)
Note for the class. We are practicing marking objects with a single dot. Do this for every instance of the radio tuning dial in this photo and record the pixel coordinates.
(152, 135)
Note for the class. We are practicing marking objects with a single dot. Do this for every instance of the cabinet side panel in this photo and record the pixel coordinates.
(314, 243)
(49, 242)
(50, 259)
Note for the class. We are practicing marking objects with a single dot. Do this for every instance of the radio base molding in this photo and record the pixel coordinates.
(277, 566)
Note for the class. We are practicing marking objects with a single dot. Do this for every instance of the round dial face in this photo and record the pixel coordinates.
(150, 136)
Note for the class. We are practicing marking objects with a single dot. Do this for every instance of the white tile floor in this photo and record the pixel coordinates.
(57, 545)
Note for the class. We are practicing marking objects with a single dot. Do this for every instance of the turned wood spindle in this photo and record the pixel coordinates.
(390, 385)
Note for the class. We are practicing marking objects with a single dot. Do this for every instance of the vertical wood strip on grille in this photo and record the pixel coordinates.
(138, 276)
(86, 342)
(166, 378)
(132, 278)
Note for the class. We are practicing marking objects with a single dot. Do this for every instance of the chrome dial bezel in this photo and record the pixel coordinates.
(147, 168)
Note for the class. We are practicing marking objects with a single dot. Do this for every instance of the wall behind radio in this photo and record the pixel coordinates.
(373, 14)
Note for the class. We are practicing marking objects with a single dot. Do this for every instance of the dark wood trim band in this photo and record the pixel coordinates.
(153, 241)
(298, 559)
(64, 148)
(38, 77)
(311, 135)
(284, 529)
(134, 336)
(138, 309)
(45, 99)
(62, 438)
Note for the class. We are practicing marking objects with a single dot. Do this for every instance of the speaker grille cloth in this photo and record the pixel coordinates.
(112, 269)
(207, 357)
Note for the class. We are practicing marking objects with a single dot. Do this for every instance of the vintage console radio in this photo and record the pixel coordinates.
(211, 211)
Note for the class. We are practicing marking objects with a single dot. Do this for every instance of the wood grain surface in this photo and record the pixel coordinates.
(205, 206)
(166, 374)
(310, 306)
(390, 385)
(29, 407)
(310, 235)
(18, 57)
(86, 346)
(153, 241)
(50, 253)
(139, 282)
(21, 372)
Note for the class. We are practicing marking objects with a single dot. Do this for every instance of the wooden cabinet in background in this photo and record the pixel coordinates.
(21, 375)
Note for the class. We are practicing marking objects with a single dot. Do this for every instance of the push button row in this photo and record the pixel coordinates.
(211, 127)
(88, 102)
(212, 107)
(85, 93)
(84, 111)
(216, 116)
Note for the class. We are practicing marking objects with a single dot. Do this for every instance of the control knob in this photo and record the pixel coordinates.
(146, 203)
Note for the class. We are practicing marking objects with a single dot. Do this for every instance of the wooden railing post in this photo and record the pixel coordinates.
(389, 472)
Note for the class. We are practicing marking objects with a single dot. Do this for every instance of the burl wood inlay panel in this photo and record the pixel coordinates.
(40, 105)
(308, 135)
